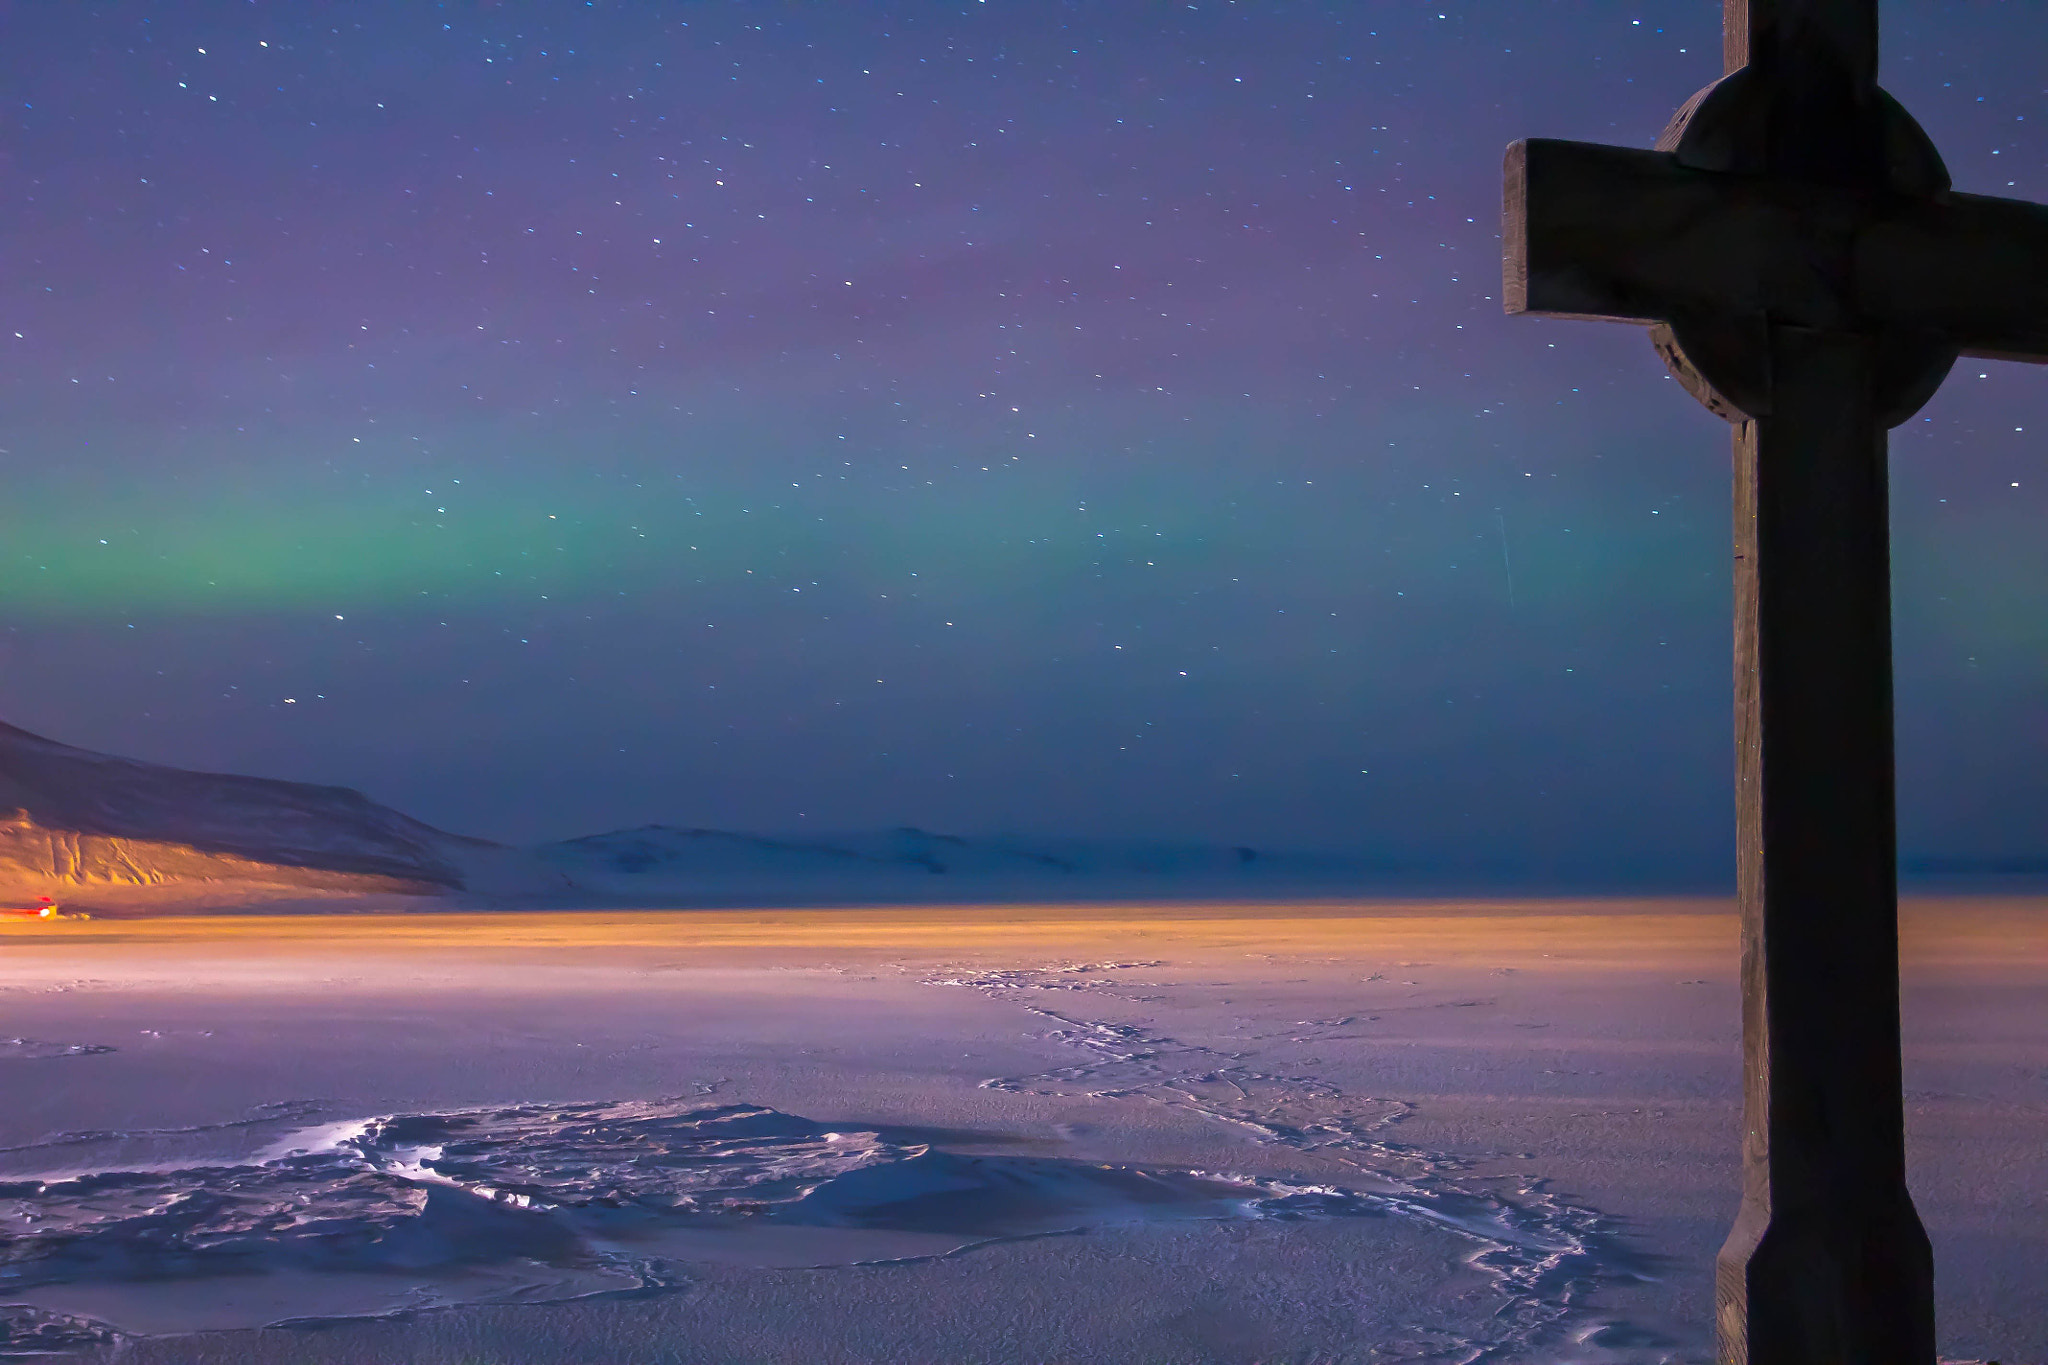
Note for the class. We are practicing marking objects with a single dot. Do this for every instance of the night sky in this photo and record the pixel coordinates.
(1093, 419)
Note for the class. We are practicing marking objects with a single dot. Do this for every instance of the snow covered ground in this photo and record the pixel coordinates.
(1174, 1132)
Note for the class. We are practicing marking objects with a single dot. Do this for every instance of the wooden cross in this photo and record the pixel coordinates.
(1809, 275)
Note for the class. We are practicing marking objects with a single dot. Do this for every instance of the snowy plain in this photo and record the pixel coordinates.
(1176, 1131)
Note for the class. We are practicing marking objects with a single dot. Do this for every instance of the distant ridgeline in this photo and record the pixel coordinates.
(906, 863)
(653, 849)
(91, 831)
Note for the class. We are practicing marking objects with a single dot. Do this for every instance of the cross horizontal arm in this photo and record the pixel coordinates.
(1968, 265)
(1593, 231)
(1609, 233)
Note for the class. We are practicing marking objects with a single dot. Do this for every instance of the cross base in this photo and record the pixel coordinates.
(1840, 1285)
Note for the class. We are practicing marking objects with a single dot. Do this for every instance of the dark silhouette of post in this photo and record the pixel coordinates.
(1809, 275)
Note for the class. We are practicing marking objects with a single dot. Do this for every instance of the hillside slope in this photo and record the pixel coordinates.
(71, 818)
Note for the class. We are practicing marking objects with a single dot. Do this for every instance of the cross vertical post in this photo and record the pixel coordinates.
(1827, 1260)
(1807, 273)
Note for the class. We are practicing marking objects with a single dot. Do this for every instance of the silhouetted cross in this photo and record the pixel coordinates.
(1810, 277)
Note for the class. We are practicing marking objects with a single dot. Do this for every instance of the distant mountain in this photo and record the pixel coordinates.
(699, 866)
(113, 834)
(666, 850)
(72, 819)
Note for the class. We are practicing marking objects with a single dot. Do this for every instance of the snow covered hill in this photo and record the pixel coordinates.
(73, 820)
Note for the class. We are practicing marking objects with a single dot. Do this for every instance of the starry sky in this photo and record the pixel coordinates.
(1093, 419)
